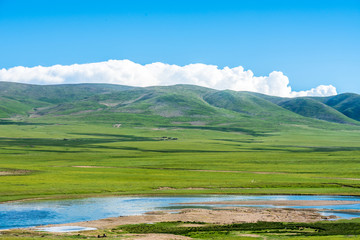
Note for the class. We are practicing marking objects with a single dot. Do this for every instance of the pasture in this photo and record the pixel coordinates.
(77, 159)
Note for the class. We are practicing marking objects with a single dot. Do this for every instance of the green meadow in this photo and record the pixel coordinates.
(60, 142)
(339, 230)
(72, 159)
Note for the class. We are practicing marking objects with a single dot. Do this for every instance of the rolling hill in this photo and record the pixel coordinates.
(311, 108)
(174, 105)
(347, 103)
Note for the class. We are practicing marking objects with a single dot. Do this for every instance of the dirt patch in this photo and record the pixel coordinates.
(249, 235)
(165, 188)
(214, 216)
(110, 104)
(2, 173)
(192, 225)
(34, 115)
(280, 202)
(92, 167)
(11, 172)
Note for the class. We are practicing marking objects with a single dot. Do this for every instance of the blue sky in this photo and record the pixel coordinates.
(311, 42)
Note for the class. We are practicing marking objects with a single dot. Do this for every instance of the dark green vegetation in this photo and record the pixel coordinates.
(348, 104)
(245, 231)
(259, 228)
(59, 141)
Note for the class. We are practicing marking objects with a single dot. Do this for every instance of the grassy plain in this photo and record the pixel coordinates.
(246, 231)
(42, 158)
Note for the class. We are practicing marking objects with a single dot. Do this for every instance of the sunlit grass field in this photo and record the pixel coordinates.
(75, 159)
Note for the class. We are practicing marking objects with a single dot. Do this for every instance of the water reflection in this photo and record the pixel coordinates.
(27, 214)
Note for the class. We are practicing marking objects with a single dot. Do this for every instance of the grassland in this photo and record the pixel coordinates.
(199, 230)
(75, 159)
(59, 142)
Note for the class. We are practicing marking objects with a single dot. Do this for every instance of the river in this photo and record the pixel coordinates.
(35, 213)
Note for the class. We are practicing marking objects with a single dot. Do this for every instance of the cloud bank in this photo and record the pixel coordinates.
(126, 72)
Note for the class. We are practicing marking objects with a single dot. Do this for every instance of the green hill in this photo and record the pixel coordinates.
(314, 109)
(243, 102)
(56, 93)
(19, 99)
(173, 105)
(347, 103)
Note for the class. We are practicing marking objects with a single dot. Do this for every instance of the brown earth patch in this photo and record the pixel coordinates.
(215, 216)
(192, 225)
(14, 172)
(2, 173)
(249, 235)
(165, 188)
(110, 104)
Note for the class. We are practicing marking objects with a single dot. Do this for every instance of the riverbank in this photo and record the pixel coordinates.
(194, 220)
(223, 215)
(279, 202)
(35, 213)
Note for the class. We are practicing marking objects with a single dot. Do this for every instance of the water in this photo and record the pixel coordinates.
(35, 213)
(65, 229)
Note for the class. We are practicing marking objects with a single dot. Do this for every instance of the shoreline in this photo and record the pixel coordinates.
(217, 216)
(253, 211)
(283, 203)
(82, 196)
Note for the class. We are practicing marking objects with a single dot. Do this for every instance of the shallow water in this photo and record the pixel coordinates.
(65, 229)
(35, 213)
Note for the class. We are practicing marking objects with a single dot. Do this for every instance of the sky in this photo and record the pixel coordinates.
(276, 47)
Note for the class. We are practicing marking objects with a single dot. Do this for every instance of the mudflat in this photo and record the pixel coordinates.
(213, 216)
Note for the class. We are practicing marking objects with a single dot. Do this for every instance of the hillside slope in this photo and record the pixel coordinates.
(178, 104)
(311, 108)
(347, 103)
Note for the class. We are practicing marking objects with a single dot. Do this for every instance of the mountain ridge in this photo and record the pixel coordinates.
(175, 103)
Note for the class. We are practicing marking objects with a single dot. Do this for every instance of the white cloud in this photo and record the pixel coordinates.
(322, 90)
(126, 72)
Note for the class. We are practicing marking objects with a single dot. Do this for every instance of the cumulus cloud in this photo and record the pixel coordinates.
(322, 90)
(126, 72)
